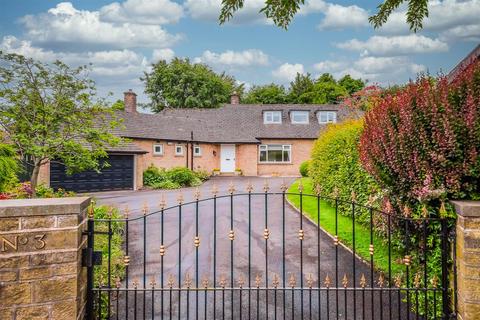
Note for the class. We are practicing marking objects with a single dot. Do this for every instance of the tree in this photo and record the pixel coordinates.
(118, 105)
(350, 84)
(324, 90)
(302, 84)
(49, 113)
(8, 164)
(282, 12)
(266, 94)
(182, 84)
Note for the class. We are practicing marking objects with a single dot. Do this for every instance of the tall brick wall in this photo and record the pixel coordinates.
(41, 276)
(468, 259)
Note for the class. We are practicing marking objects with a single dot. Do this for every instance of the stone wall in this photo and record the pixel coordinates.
(41, 275)
(468, 259)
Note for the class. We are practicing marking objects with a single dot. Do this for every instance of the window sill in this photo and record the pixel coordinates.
(158, 155)
(279, 163)
(179, 155)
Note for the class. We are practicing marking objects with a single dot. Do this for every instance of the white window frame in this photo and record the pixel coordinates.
(300, 112)
(268, 117)
(284, 147)
(195, 153)
(155, 153)
(176, 150)
(331, 116)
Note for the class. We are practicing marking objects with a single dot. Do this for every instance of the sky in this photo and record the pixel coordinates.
(122, 39)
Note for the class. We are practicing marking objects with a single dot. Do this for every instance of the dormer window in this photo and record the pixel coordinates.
(299, 117)
(327, 116)
(272, 117)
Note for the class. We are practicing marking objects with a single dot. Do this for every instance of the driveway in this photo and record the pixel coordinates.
(273, 249)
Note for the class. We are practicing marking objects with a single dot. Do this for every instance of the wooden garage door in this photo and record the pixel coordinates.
(118, 176)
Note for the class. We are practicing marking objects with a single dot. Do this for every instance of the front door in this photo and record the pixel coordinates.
(227, 158)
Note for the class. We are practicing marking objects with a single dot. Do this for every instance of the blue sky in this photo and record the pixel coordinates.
(122, 39)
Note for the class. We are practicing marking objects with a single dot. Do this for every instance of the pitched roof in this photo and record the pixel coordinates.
(240, 123)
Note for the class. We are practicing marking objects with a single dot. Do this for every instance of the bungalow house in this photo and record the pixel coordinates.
(258, 140)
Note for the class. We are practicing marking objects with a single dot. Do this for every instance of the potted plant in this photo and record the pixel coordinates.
(216, 172)
(238, 172)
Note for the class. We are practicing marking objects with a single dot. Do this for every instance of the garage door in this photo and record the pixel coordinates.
(118, 176)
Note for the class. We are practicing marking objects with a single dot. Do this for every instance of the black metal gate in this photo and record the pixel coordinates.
(248, 255)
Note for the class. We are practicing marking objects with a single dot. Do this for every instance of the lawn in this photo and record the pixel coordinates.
(362, 232)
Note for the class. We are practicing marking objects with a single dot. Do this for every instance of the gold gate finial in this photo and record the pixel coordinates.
(231, 188)
(240, 282)
(292, 281)
(258, 280)
(196, 194)
(249, 186)
(398, 280)
(214, 189)
(417, 280)
(345, 280)
(180, 198)
(223, 282)
(188, 281)
(171, 281)
(205, 282)
(381, 280)
(135, 284)
(275, 281)
(126, 212)
(145, 208)
(163, 202)
(310, 280)
(327, 281)
(153, 283)
(363, 281)
(284, 186)
(266, 187)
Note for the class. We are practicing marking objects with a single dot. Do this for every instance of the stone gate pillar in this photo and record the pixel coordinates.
(41, 274)
(468, 259)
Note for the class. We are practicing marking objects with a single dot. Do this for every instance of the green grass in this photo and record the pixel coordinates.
(345, 235)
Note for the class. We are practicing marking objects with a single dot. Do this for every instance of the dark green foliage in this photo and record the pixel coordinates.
(182, 84)
(304, 168)
(282, 12)
(174, 178)
(118, 105)
(116, 252)
(336, 164)
(350, 84)
(299, 87)
(266, 94)
(305, 90)
(8, 165)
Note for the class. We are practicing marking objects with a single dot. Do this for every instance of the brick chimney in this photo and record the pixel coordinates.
(130, 101)
(234, 98)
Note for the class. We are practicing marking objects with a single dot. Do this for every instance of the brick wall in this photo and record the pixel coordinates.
(468, 259)
(41, 276)
(301, 151)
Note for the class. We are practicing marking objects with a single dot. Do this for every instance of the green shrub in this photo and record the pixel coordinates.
(167, 184)
(116, 252)
(202, 175)
(304, 168)
(8, 165)
(181, 175)
(154, 175)
(336, 165)
(174, 178)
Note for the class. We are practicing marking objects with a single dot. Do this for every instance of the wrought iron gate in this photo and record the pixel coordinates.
(248, 255)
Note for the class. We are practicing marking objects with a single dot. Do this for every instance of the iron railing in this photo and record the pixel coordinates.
(262, 260)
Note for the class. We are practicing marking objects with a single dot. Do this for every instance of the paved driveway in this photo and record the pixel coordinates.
(136, 200)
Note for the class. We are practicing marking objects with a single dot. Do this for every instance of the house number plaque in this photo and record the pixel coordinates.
(15, 243)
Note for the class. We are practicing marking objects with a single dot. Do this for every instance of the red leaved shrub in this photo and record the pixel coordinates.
(422, 142)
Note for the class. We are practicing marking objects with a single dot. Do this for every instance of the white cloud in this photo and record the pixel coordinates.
(329, 66)
(82, 29)
(162, 54)
(395, 45)
(250, 57)
(383, 70)
(287, 71)
(113, 70)
(452, 19)
(209, 10)
(142, 12)
(313, 6)
(339, 17)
